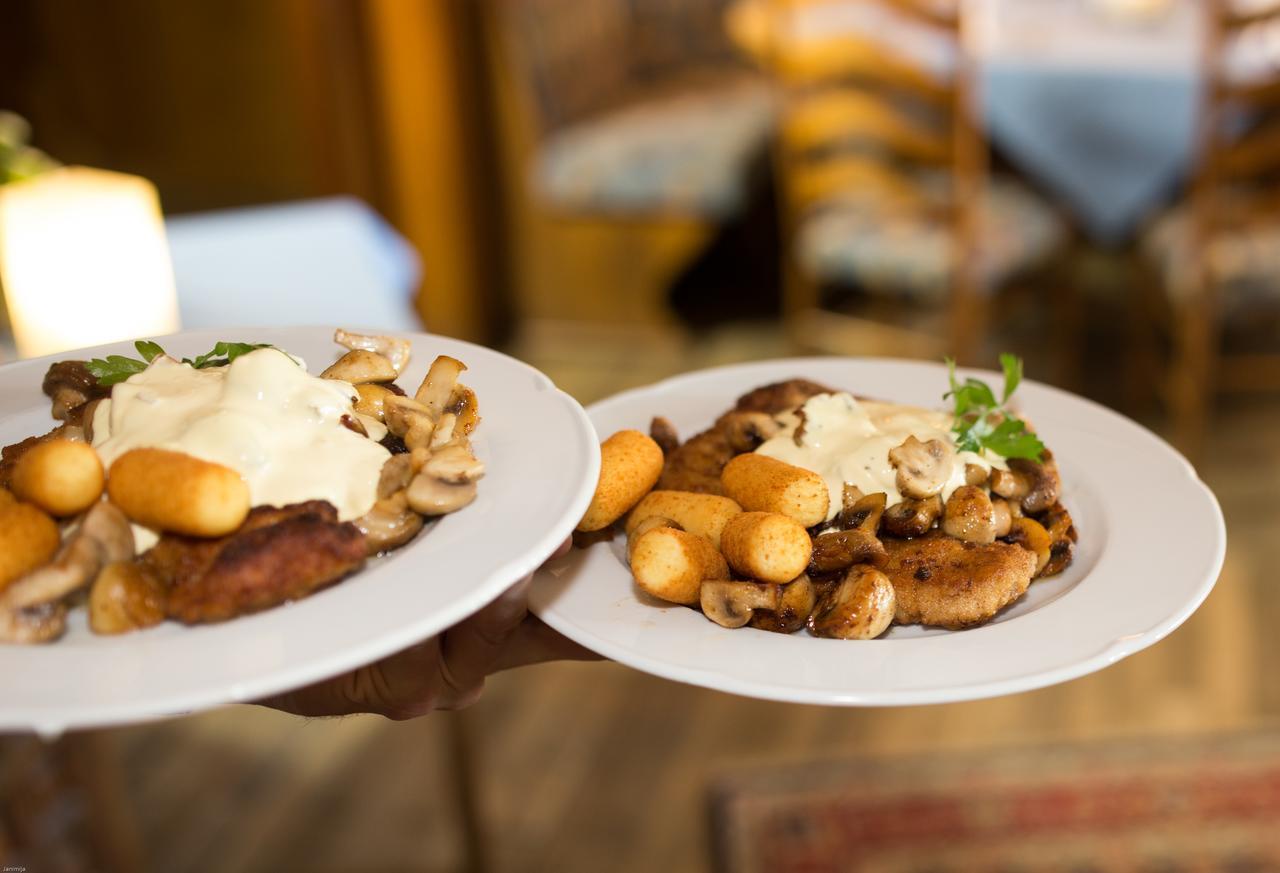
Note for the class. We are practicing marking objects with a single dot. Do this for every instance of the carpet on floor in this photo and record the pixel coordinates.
(1204, 804)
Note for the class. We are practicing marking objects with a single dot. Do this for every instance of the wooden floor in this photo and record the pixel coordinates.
(592, 767)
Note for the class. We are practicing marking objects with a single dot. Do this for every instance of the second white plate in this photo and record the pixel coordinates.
(1133, 580)
(542, 462)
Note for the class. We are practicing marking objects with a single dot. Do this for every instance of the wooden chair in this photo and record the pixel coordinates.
(1219, 251)
(630, 131)
(884, 184)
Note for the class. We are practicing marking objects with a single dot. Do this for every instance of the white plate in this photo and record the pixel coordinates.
(1151, 546)
(542, 464)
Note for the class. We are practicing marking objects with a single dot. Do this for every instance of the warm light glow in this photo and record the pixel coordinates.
(83, 260)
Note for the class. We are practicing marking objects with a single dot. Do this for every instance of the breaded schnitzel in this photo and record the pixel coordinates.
(278, 554)
(955, 584)
(695, 465)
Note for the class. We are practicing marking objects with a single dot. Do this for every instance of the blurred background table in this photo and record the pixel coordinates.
(1097, 102)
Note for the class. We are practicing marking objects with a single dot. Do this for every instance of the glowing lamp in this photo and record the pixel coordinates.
(84, 260)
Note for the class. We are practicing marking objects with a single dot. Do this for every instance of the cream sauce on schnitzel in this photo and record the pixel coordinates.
(263, 416)
(848, 440)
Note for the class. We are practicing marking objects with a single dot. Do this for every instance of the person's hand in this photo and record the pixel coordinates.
(444, 672)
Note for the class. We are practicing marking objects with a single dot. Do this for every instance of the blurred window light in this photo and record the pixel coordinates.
(84, 260)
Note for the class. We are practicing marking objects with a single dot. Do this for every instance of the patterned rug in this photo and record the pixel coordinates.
(1209, 805)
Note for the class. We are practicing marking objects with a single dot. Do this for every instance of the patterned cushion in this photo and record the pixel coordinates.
(687, 154)
(899, 252)
(1245, 261)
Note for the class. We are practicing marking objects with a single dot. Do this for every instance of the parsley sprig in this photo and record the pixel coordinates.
(983, 423)
(117, 368)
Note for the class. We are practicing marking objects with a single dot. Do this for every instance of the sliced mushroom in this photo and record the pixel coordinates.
(1004, 516)
(464, 406)
(1031, 535)
(455, 465)
(394, 349)
(844, 548)
(70, 385)
(911, 518)
(1010, 484)
(390, 523)
(850, 494)
(795, 605)
(38, 624)
(125, 597)
(437, 386)
(970, 516)
(923, 468)
(745, 431)
(401, 414)
(104, 536)
(397, 473)
(360, 366)
(443, 432)
(370, 401)
(865, 512)
(429, 496)
(731, 604)
(87, 412)
(861, 607)
(1044, 482)
(664, 433)
(975, 474)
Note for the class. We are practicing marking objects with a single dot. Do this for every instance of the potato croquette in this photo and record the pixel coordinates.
(766, 546)
(702, 514)
(630, 464)
(763, 484)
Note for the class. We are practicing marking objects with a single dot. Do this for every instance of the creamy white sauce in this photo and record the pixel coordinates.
(849, 440)
(263, 416)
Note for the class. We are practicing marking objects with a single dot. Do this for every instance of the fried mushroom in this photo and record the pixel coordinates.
(731, 604)
(431, 496)
(911, 518)
(795, 605)
(864, 512)
(923, 467)
(844, 548)
(861, 607)
(970, 515)
(393, 348)
(359, 367)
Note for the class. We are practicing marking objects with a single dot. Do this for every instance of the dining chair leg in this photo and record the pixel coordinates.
(968, 317)
(466, 789)
(93, 763)
(1194, 365)
(1149, 318)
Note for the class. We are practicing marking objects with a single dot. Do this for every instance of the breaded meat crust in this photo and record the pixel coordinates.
(954, 584)
(696, 464)
(278, 554)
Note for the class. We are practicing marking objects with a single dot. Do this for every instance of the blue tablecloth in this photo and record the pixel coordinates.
(1111, 146)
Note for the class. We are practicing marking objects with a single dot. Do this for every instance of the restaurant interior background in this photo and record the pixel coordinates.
(620, 190)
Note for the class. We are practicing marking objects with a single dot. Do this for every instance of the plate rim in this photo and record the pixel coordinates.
(1076, 667)
(54, 720)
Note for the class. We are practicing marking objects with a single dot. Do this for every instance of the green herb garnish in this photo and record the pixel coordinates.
(117, 368)
(982, 423)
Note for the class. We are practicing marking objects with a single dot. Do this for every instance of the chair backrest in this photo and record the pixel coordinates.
(1238, 174)
(575, 58)
(863, 113)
